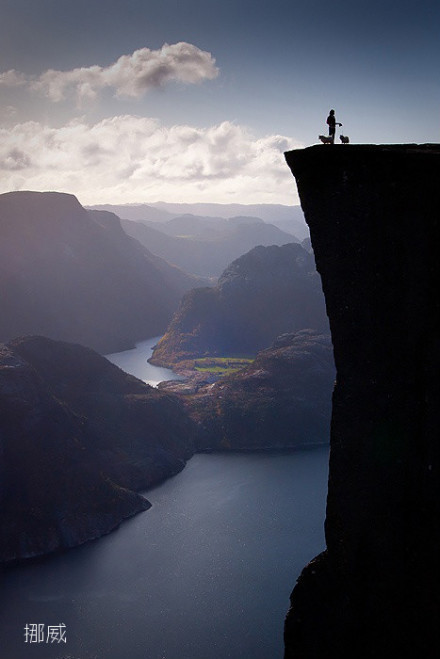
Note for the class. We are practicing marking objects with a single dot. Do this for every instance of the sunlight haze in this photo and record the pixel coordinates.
(131, 101)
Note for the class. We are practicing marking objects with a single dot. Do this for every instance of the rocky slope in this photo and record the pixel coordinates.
(281, 400)
(373, 218)
(68, 274)
(78, 436)
(264, 293)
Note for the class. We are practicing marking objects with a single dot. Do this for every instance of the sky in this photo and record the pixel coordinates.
(188, 101)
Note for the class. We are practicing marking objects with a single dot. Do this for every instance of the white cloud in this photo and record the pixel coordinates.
(131, 75)
(12, 78)
(135, 159)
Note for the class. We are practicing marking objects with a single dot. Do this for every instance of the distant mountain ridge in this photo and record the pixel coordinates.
(198, 226)
(203, 245)
(287, 218)
(135, 212)
(75, 275)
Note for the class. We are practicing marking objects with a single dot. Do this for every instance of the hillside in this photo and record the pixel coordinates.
(281, 400)
(79, 437)
(74, 275)
(205, 245)
(264, 293)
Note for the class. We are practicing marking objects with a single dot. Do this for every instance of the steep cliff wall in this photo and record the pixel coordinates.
(374, 222)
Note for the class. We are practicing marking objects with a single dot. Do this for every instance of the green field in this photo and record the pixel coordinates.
(221, 365)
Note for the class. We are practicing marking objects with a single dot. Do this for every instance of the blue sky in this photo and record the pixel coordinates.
(208, 118)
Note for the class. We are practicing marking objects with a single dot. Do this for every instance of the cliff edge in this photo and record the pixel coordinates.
(374, 223)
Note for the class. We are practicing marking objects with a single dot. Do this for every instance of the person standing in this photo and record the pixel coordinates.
(332, 123)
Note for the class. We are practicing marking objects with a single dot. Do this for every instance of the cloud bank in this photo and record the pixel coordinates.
(134, 159)
(131, 75)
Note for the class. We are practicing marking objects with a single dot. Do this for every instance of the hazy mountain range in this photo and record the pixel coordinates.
(75, 275)
(288, 218)
(205, 246)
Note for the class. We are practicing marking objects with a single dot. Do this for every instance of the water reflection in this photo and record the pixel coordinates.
(135, 362)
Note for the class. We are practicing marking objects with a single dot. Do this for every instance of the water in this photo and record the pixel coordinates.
(135, 362)
(206, 573)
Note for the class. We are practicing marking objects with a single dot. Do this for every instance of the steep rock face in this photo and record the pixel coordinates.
(264, 293)
(374, 224)
(77, 435)
(281, 400)
(66, 274)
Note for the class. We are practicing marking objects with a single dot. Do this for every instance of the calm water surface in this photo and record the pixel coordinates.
(135, 362)
(206, 573)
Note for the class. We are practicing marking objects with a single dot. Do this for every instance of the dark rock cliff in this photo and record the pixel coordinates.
(374, 223)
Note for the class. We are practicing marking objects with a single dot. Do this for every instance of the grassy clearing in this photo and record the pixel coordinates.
(221, 365)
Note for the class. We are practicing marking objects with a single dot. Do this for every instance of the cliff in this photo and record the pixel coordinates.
(281, 400)
(78, 438)
(374, 224)
(262, 294)
(75, 275)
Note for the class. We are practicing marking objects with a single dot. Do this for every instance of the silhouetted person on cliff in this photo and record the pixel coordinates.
(332, 123)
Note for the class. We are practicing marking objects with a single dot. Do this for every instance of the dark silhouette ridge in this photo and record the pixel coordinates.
(374, 224)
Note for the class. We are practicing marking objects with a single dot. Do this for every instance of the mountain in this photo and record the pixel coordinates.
(287, 218)
(205, 246)
(264, 293)
(79, 437)
(281, 400)
(75, 275)
(374, 591)
(207, 228)
(135, 212)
